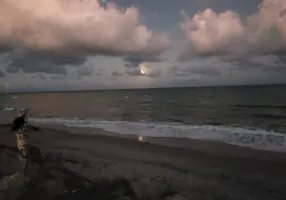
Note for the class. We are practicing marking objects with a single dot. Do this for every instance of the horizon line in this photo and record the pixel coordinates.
(167, 87)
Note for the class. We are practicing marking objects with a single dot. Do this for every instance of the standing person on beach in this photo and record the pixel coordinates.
(19, 127)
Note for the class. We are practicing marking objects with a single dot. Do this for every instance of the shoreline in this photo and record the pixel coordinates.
(258, 139)
(215, 148)
(208, 170)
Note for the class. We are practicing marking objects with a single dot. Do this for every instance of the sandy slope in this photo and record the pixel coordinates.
(200, 170)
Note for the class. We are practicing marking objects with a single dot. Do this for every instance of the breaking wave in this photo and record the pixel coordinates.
(257, 139)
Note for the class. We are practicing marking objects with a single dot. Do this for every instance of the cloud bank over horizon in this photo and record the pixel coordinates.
(218, 34)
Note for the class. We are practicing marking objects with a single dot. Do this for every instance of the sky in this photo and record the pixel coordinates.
(115, 44)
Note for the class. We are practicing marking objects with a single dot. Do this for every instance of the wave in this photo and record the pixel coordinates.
(7, 109)
(257, 139)
(269, 116)
(258, 106)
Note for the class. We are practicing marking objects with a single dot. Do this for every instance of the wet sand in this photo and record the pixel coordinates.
(193, 169)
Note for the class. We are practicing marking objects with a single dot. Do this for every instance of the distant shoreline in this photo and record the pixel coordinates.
(151, 88)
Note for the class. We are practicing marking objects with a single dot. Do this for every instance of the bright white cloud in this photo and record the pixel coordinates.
(224, 33)
(77, 25)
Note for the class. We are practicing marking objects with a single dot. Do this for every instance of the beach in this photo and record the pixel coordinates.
(153, 144)
(192, 169)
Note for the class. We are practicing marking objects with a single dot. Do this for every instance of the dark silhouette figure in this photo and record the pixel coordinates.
(19, 126)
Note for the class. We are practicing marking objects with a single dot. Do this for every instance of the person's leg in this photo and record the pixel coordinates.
(20, 148)
(23, 149)
(25, 166)
(23, 161)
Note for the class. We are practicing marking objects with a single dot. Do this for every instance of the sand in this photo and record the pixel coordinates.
(104, 166)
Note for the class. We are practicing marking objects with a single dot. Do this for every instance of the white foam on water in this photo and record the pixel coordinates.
(8, 109)
(257, 139)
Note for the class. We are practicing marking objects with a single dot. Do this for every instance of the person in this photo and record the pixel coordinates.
(19, 127)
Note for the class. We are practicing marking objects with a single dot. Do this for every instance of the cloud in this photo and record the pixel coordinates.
(7, 85)
(12, 69)
(77, 26)
(4, 49)
(57, 58)
(144, 70)
(45, 62)
(277, 70)
(191, 70)
(2, 74)
(205, 71)
(84, 71)
(56, 77)
(134, 72)
(116, 73)
(41, 76)
(258, 61)
(176, 70)
(39, 67)
(212, 34)
(136, 60)
(36, 66)
(200, 66)
(98, 73)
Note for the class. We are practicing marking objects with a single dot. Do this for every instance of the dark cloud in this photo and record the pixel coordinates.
(177, 71)
(282, 58)
(56, 77)
(4, 49)
(259, 62)
(37, 66)
(2, 74)
(205, 71)
(136, 60)
(116, 73)
(85, 71)
(41, 62)
(41, 76)
(245, 65)
(189, 54)
(12, 69)
(279, 70)
(56, 57)
(134, 72)
(191, 70)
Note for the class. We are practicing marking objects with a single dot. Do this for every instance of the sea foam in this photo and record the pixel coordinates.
(257, 139)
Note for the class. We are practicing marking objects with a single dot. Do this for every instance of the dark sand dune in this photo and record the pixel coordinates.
(105, 167)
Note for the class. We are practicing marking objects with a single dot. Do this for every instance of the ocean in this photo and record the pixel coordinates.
(251, 116)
